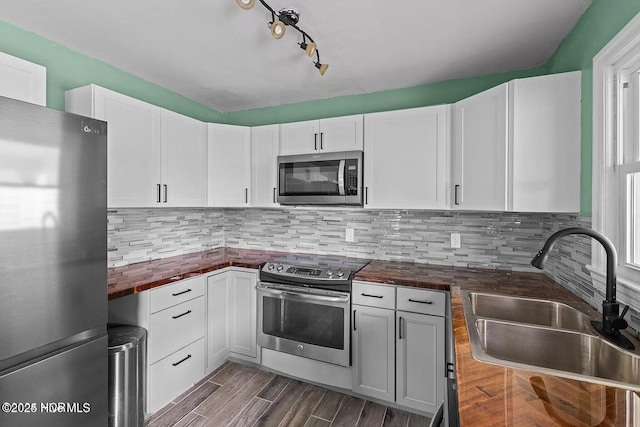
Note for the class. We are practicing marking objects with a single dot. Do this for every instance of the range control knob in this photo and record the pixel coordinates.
(340, 273)
(329, 273)
(279, 267)
(270, 266)
(300, 348)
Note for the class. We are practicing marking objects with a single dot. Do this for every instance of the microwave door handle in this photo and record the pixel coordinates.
(341, 178)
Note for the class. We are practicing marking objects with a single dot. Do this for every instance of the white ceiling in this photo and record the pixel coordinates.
(222, 56)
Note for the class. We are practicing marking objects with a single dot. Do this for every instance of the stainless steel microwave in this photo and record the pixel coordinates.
(320, 179)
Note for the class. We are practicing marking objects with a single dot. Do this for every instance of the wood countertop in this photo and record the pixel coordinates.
(488, 395)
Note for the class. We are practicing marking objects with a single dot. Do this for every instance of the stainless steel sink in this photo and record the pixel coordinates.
(529, 310)
(547, 337)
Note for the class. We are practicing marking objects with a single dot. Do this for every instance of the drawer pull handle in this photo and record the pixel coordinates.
(180, 293)
(180, 315)
(180, 361)
(421, 302)
(372, 296)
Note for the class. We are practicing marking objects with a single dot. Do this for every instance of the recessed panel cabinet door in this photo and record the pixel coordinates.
(23, 80)
(420, 354)
(229, 165)
(265, 144)
(217, 320)
(480, 151)
(242, 313)
(184, 160)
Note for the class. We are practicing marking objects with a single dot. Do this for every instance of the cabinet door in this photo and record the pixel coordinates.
(265, 144)
(300, 137)
(407, 158)
(217, 320)
(341, 133)
(242, 313)
(420, 364)
(184, 161)
(23, 80)
(373, 352)
(229, 165)
(133, 149)
(480, 151)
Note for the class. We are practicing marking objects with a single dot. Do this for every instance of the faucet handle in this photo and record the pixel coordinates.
(624, 311)
(619, 323)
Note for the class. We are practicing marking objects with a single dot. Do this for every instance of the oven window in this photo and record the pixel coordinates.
(305, 322)
(310, 178)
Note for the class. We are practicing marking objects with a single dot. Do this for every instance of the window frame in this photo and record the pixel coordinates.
(608, 180)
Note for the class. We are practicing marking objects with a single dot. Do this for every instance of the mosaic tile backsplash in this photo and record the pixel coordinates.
(488, 239)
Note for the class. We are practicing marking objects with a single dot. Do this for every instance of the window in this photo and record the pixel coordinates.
(616, 157)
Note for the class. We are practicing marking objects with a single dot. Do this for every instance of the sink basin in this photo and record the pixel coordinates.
(545, 336)
(529, 310)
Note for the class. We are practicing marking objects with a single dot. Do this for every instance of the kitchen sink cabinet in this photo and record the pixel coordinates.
(406, 158)
(517, 146)
(325, 135)
(231, 317)
(23, 80)
(156, 158)
(229, 165)
(174, 317)
(265, 145)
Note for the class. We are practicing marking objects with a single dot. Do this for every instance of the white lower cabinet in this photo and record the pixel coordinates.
(231, 317)
(420, 361)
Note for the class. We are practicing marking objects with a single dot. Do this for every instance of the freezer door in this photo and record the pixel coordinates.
(67, 389)
(53, 231)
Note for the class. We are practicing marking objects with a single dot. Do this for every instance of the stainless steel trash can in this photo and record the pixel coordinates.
(127, 375)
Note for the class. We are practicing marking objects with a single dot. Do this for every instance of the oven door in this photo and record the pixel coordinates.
(308, 322)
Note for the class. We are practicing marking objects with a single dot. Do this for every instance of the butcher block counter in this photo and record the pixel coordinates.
(488, 395)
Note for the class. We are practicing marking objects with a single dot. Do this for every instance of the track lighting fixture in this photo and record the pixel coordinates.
(288, 18)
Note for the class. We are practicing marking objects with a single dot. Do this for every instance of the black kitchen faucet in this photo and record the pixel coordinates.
(612, 320)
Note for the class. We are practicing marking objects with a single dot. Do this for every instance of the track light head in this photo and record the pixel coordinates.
(246, 4)
(277, 29)
(322, 67)
(310, 48)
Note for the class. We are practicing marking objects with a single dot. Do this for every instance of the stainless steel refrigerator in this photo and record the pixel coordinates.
(53, 267)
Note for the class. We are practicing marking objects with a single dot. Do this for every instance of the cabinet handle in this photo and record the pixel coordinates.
(180, 315)
(321, 137)
(246, 195)
(354, 320)
(400, 328)
(165, 192)
(455, 194)
(315, 141)
(371, 296)
(366, 195)
(158, 193)
(274, 194)
(180, 361)
(421, 302)
(180, 293)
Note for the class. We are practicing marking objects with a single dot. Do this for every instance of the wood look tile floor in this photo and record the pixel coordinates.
(239, 395)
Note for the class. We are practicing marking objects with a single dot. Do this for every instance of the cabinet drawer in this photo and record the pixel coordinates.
(175, 293)
(175, 327)
(422, 301)
(174, 374)
(383, 296)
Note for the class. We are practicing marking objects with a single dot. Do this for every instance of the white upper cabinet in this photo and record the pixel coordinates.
(155, 157)
(229, 166)
(406, 158)
(184, 160)
(325, 135)
(517, 146)
(265, 144)
(480, 151)
(23, 80)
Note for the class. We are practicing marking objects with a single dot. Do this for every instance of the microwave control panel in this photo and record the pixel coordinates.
(351, 177)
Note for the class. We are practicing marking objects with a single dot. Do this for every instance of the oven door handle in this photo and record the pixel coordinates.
(341, 178)
(302, 296)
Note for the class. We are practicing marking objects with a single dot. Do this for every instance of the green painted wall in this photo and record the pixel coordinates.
(67, 69)
(599, 24)
(417, 96)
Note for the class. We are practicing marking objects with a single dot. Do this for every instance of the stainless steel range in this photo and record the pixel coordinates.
(304, 306)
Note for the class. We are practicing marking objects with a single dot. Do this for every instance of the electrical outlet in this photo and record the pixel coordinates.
(349, 235)
(455, 240)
